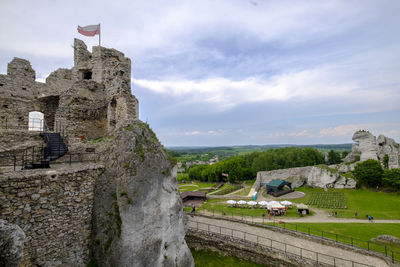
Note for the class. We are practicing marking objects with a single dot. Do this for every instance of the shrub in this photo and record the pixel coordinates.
(391, 178)
(369, 172)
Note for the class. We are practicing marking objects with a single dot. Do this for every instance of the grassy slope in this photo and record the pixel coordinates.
(206, 258)
(360, 232)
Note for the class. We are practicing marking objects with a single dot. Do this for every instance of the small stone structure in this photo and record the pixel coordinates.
(370, 147)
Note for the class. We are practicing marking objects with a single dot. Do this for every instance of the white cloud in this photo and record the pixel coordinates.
(343, 130)
(191, 133)
(300, 134)
(311, 84)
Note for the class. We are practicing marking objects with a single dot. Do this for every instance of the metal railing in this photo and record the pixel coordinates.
(34, 155)
(338, 238)
(270, 244)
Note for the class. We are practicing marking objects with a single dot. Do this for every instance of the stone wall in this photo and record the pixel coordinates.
(14, 142)
(227, 246)
(54, 208)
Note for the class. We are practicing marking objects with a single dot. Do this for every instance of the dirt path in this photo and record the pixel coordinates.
(298, 245)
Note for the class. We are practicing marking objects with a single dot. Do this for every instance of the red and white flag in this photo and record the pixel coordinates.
(90, 30)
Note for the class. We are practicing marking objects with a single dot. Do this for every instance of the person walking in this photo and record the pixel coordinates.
(355, 214)
(193, 210)
(269, 216)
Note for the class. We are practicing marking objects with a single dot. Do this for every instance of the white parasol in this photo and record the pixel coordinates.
(241, 202)
(252, 203)
(231, 202)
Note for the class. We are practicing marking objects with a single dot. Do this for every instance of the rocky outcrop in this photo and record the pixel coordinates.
(11, 244)
(138, 218)
(366, 145)
(387, 239)
(370, 147)
(314, 176)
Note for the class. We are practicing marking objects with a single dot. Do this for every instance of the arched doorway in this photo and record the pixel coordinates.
(36, 121)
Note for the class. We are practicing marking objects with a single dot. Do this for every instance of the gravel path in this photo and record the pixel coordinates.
(295, 245)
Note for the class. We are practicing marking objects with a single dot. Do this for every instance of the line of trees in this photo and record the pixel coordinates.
(246, 167)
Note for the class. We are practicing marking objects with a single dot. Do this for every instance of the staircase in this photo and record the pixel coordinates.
(55, 149)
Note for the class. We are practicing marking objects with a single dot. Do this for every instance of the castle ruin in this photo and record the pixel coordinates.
(89, 100)
(119, 208)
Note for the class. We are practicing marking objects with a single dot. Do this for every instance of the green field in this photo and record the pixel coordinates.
(206, 258)
(365, 201)
(219, 206)
(358, 234)
(195, 186)
(244, 192)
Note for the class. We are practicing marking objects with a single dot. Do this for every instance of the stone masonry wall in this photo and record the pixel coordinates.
(227, 246)
(54, 208)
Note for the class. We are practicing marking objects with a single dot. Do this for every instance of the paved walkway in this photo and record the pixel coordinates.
(297, 245)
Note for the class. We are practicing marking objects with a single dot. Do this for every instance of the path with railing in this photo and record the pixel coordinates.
(306, 248)
(289, 224)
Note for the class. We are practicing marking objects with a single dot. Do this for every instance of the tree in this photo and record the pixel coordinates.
(386, 161)
(344, 154)
(369, 172)
(333, 157)
(391, 178)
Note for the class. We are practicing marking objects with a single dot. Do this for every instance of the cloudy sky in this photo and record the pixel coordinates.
(233, 72)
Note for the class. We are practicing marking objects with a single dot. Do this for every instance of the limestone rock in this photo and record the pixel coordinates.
(367, 145)
(370, 147)
(139, 189)
(315, 176)
(11, 244)
(318, 177)
(388, 239)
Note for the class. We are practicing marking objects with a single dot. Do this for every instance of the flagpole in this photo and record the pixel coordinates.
(99, 33)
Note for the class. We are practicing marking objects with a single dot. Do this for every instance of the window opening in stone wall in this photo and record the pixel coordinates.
(36, 121)
(5, 106)
(87, 75)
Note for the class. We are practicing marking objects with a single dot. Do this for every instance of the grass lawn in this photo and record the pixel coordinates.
(191, 186)
(219, 206)
(243, 192)
(225, 189)
(378, 204)
(206, 258)
(360, 232)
